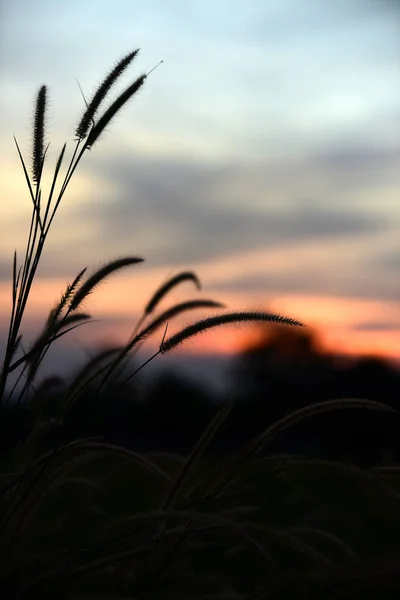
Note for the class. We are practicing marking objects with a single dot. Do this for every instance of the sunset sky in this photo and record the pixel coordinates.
(263, 154)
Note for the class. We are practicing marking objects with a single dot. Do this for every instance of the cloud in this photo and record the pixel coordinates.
(177, 212)
(352, 160)
(390, 260)
(377, 326)
(5, 269)
(318, 279)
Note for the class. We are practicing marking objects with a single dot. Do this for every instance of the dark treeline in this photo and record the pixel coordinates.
(284, 371)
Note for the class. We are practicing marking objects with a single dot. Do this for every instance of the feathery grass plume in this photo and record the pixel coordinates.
(325, 536)
(88, 286)
(205, 439)
(112, 110)
(101, 93)
(283, 538)
(56, 312)
(169, 285)
(139, 337)
(259, 442)
(161, 293)
(38, 135)
(70, 289)
(210, 322)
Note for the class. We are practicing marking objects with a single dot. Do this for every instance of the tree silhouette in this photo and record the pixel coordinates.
(287, 369)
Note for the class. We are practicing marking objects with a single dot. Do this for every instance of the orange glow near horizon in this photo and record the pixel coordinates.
(118, 304)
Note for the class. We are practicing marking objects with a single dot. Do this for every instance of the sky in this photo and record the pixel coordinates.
(263, 154)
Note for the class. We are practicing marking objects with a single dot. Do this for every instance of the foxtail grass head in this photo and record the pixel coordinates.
(39, 134)
(101, 93)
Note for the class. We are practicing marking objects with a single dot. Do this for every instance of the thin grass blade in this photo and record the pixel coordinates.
(296, 416)
(53, 183)
(28, 181)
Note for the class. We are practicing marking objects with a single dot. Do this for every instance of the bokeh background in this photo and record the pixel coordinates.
(263, 154)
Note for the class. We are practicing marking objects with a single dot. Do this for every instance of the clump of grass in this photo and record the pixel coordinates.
(43, 213)
(64, 316)
(70, 522)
